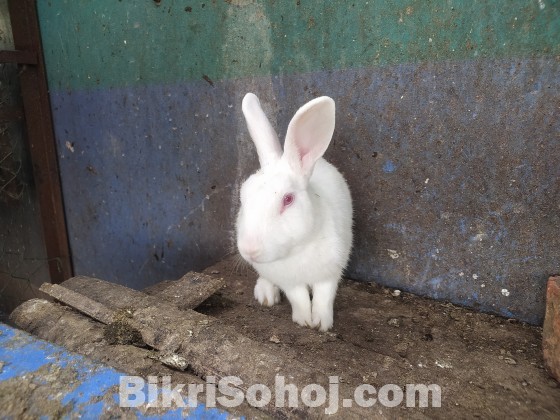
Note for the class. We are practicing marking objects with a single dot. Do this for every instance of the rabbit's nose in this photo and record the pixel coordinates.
(250, 249)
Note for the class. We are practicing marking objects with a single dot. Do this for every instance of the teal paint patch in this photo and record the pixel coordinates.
(107, 43)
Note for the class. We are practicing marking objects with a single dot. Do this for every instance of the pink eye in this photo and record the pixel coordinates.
(287, 200)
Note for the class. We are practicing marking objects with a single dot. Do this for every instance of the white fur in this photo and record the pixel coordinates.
(306, 246)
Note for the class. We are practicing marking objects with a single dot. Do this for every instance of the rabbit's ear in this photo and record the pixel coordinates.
(309, 134)
(262, 133)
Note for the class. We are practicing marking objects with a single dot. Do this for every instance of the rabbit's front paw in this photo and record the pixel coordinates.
(301, 305)
(266, 293)
(302, 318)
(322, 318)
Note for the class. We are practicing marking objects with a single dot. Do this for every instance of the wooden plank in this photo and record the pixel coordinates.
(160, 337)
(19, 57)
(109, 294)
(80, 334)
(191, 290)
(40, 136)
(186, 293)
(80, 302)
(210, 347)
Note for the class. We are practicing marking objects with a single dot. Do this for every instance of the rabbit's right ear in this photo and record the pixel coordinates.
(263, 135)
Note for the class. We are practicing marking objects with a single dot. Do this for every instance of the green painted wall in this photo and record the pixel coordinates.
(128, 42)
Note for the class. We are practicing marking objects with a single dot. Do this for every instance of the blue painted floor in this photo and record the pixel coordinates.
(44, 380)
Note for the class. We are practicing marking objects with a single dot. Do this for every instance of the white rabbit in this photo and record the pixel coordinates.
(295, 222)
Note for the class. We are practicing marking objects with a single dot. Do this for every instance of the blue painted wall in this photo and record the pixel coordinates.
(447, 130)
(150, 191)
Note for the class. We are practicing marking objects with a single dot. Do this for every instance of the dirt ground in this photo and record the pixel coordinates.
(487, 366)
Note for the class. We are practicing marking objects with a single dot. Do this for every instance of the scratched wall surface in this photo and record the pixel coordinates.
(448, 130)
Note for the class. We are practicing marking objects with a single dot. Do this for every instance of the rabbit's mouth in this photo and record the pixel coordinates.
(251, 254)
(257, 256)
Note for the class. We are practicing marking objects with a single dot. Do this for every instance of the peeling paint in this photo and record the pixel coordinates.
(393, 254)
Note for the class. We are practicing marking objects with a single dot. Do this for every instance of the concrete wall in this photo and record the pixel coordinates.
(447, 130)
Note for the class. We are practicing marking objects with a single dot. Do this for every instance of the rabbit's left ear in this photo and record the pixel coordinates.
(309, 134)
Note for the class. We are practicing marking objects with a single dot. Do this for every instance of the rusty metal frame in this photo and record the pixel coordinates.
(40, 134)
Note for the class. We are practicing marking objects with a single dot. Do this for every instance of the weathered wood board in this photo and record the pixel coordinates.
(210, 347)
